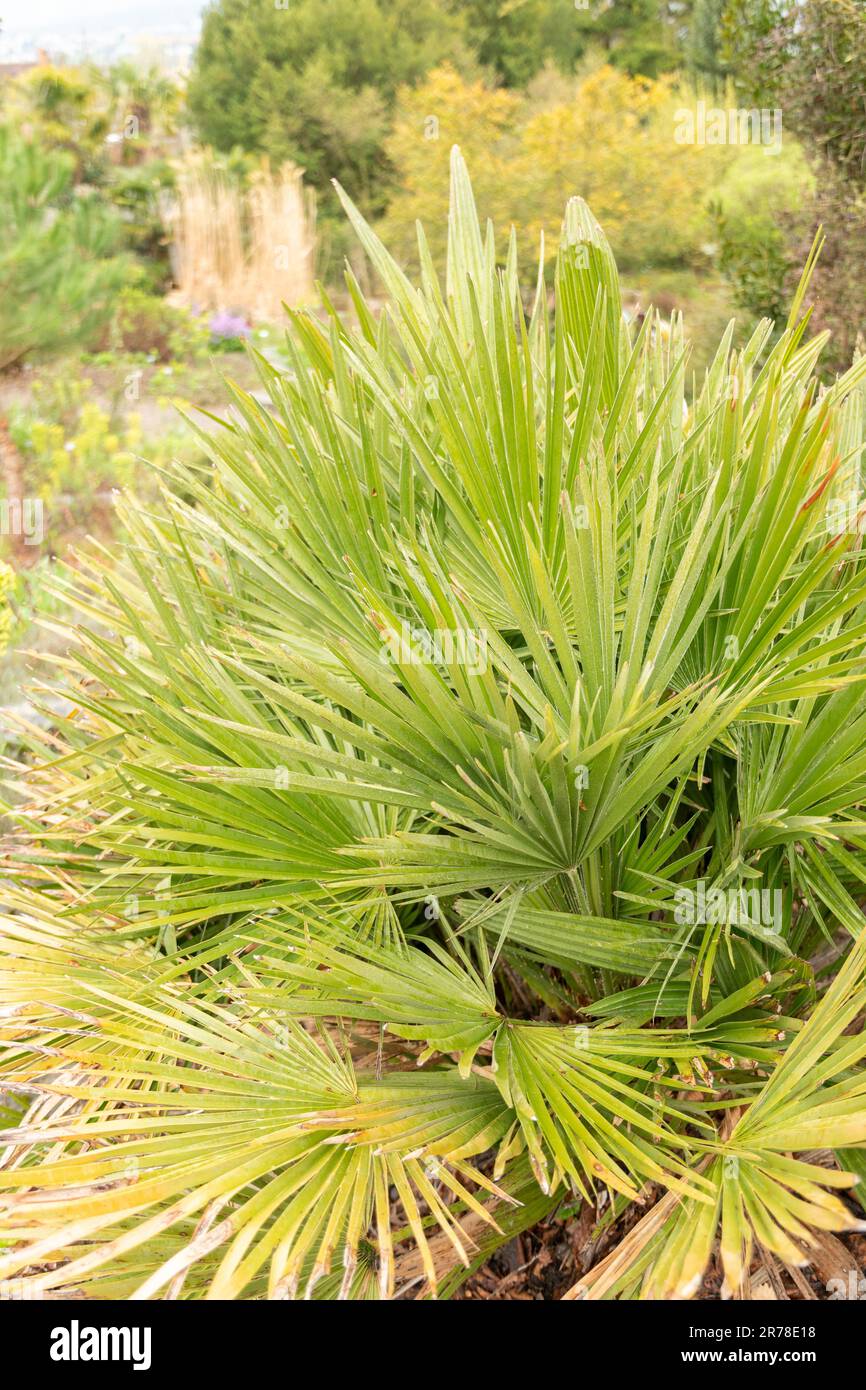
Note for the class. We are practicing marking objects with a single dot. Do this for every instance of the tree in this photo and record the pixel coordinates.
(808, 59)
(636, 35)
(606, 136)
(60, 108)
(58, 270)
(143, 104)
(313, 81)
(704, 42)
(515, 38)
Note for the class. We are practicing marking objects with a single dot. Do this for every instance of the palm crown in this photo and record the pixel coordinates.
(459, 813)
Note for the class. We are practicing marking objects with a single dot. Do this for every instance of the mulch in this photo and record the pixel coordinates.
(542, 1264)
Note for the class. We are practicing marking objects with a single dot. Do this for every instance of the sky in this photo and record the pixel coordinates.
(26, 22)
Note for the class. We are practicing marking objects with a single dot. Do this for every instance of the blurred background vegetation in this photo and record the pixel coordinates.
(152, 223)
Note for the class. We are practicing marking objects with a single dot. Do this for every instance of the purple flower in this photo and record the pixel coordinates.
(225, 325)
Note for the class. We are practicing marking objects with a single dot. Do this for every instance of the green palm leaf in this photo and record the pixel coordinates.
(360, 896)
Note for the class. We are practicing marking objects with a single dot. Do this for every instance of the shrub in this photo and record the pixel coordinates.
(57, 264)
(71, 448)
(58, 108)
(837, 291)
(74, 451)
(144, 323)
(313, 85)
(613, 144)
(139, 192)
(607, 137)
(89, 456)
(753, 207)
(462, 808)
(808, 60)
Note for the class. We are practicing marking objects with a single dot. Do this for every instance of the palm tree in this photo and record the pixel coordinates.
(143, 102)
(460, 810)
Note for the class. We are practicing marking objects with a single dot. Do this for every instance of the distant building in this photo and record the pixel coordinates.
(14, 69)
(10, 70)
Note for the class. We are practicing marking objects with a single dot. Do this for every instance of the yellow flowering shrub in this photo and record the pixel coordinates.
(70, 444)
(606, 136)
(613, 144)
(442, 111)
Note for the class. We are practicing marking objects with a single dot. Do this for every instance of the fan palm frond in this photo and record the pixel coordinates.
(458, 809)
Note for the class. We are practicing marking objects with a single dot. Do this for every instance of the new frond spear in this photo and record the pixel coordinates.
(460, 809)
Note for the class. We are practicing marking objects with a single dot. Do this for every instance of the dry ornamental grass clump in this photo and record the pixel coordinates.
(460, 809)
(250, 247)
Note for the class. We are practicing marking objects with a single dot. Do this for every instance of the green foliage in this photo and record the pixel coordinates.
(429, 755)
(75, 451)
(116, 125)
(808, 58)
(754, 208)
(143, 323)
(753, 256)
(7, 617)
(755, 45)
(143, 104)
(70, 446)
(312, 82)
(838, 287)
(606, 136)
(57, 264)
(635, 36)
(704, 45)
(97, 115)
(59, 109)
(137, 192)
(515, 41)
